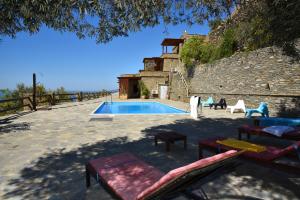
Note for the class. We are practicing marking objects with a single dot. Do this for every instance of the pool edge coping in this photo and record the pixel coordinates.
(93, 115)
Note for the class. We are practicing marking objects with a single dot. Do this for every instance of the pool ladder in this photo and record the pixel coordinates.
(106, 100)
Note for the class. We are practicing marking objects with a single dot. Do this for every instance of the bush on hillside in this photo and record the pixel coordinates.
(191, 51)
(228, 45)
(254, 34)
(197, 50)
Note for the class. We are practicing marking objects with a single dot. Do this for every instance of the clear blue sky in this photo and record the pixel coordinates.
(61, 59)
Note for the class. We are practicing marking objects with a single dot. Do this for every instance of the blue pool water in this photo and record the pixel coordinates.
(136, 108)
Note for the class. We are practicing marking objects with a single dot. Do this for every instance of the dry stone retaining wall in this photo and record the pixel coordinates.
(263, 75)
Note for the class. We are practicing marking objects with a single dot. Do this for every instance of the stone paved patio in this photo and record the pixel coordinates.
(43, 153)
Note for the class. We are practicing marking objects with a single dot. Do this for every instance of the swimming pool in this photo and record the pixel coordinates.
(133, 108)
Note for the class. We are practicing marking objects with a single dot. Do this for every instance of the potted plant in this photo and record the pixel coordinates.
(144, 90)
(145, 93)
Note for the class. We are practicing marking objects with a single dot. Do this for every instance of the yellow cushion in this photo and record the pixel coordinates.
(238, 144)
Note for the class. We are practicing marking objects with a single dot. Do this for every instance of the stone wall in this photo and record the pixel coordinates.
(154, 78)
(177, 90)
(170, 61)
(263, 75)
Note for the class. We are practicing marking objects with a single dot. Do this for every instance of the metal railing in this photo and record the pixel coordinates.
(184, 83)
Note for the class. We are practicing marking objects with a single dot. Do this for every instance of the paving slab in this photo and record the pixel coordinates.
(43, 153)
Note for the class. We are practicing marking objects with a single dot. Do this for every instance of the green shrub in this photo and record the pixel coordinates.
(143, 89)
(254, 34)
(191, 51)
(228, 44)
(209, 53)
(196, 49)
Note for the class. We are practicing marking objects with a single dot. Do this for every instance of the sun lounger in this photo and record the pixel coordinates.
(262, 109)
(267, 158)
(130, 178)
(258, 130)
(222, 104)
(207, 102)
(240, 105)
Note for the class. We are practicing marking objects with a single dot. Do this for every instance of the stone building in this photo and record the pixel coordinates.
(157, 70)
(264, 75)
(129, 86)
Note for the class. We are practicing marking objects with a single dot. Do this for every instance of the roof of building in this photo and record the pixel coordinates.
(153, 58)
(172, 42)
(129, 76)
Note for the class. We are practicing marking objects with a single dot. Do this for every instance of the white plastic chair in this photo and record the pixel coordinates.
(240, 105)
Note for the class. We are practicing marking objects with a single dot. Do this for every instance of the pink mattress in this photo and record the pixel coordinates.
(131, 179)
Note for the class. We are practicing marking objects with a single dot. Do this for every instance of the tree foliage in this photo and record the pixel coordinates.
(228, 44)
(191, 51)
(61, 90)
(196, 50)
(268, 22)
(104, 19)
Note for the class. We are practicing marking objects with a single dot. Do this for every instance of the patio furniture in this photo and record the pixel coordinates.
(207, 102)
(129, 178)
(270, 157)
(154, 94)
(240, 105)
(258, 130)
(274, 121)
(170, 138)
(222, 104)
(262, 109)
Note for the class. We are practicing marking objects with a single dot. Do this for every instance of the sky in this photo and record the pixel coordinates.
(61, 59)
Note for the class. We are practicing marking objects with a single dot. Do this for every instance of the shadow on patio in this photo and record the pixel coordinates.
(59, 174)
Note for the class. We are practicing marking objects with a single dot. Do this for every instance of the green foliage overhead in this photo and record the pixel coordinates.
(104, 19)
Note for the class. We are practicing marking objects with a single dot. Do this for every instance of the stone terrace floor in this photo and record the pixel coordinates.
(43, 153)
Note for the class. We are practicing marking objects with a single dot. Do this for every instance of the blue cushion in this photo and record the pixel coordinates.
(273, 121)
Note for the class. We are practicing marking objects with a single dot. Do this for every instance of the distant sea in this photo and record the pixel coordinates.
(76, 91)
(112, 91)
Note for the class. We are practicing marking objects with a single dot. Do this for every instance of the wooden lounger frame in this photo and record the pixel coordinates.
(180, 185)
(273, 164)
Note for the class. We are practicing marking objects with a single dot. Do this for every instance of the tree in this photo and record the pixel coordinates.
(5, 94)
(105, 19)
(228, 44)
(191, 51)
(21, 90)
(61, 90)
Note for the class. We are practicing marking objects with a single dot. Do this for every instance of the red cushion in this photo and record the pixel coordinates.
(270, 154)
(177, 173)
(125, 174)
